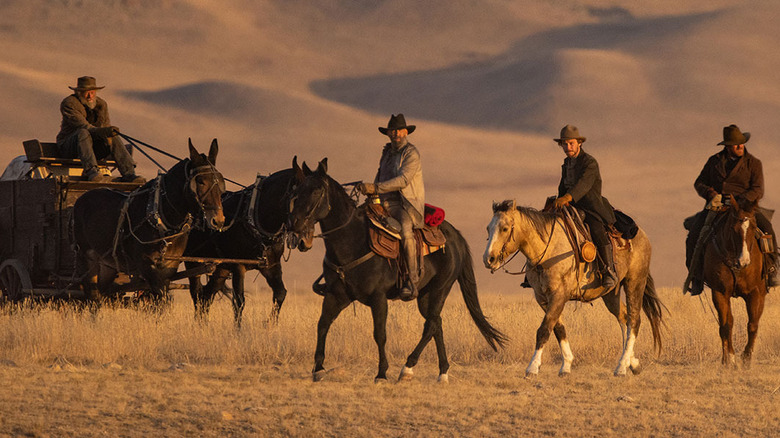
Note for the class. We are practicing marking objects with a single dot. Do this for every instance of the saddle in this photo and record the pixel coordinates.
(384, 234)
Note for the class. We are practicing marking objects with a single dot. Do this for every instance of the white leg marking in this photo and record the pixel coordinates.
(536, 362)
(568, 358)
(628, 353)
(444, 378)
(406, 373)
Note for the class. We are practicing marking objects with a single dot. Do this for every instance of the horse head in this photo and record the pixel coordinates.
(736, 236)
(206, 184)
(309, 204)
(500, 242)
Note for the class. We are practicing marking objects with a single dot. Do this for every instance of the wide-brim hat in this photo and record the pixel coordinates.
(397, 122)
(86, 83)
(732, 135)
(569, 132)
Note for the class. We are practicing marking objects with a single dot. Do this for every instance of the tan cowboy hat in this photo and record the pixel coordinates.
(732, 135)
(568, 132)
(397, 122)
(86, 83)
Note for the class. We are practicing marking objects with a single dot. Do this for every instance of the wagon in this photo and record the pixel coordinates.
(37, 258)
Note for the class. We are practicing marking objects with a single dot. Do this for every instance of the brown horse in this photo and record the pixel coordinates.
(733, 265)
(557, 278)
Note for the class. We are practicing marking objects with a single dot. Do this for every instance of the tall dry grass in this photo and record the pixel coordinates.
(132, 338)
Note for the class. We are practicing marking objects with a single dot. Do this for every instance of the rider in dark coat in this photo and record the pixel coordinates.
(732, 171)
(581, 186)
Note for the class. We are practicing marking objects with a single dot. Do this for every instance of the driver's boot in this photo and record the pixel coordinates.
(409, 289)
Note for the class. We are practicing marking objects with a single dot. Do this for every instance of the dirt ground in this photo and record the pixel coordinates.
(485, 400)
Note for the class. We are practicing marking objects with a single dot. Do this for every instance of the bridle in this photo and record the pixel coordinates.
(528, 263)
(730, 259)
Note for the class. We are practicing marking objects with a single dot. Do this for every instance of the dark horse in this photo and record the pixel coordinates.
(319, 198)
(733, 267)
(144, 233)
(256, 216)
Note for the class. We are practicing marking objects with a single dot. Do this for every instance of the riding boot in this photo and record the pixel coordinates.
(608, 276)
(409, 289)
(771, 275)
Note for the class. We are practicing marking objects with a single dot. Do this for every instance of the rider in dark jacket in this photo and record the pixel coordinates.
(581, 186)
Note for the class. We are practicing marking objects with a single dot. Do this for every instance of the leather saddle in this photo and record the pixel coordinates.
(384, 234)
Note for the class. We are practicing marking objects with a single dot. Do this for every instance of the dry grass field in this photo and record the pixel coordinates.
(125, 372)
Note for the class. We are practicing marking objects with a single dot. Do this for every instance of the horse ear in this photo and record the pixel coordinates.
(306, 170)
(322, 167)
(299, 176)
(513, 205)
(295, 162)
(213, 152)
(495, 207)
(193, 152)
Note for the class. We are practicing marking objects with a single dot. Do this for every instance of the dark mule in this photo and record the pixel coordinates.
(256, 216)
(319, 198)
(733, 267)
(144, 233)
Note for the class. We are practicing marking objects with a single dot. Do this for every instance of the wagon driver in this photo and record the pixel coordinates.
(86, 133)
(580, 186)
(399, 184)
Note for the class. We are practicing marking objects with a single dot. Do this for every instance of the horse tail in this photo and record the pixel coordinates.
(654, 309)
(468, 287)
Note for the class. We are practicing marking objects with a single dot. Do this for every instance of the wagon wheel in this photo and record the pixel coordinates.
(14, 280)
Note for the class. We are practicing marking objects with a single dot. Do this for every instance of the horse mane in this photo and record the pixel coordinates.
(539, 220)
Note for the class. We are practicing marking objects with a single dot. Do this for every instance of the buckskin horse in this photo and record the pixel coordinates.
(144, 232)
(557, 278)
(353, 274)
(256, 217)
(733, 267)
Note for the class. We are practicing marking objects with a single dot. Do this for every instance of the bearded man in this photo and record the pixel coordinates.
(732, 171)
(399, 184)
(86, 133)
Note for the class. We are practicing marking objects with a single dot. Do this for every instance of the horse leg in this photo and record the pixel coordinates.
(210, 290)
(552, 315)
(239, 272)
(332, 305)
(566, 354)
(379, 314)
(273, 276)
(635, 290)
(432, 328)
(726, 320)
(755, 307)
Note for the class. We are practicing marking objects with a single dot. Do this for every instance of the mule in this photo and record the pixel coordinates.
(144, 232)
(352, 273)
(557, 278)
(733, 267)
(256, 216)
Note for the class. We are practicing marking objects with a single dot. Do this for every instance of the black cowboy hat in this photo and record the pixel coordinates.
(568, 132)
(732, 135)
(86, 83)
(397, 122)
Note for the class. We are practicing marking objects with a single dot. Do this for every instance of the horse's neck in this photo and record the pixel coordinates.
(536, 248)
(273, 201)
(343, 227)
(174, 204)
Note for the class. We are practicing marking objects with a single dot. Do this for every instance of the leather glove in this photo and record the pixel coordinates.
(563, 201)
(106, 131)
(367, 188)
(715, 203)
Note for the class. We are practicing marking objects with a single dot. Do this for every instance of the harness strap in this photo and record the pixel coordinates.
(342, 270)
(251, 210)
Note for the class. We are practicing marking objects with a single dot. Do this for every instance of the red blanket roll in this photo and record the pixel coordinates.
(434, 216)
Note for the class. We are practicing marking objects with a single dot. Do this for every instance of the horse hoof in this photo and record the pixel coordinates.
(444, 378)
(317, 376)
(563, 373)
(620, 373)
(406, 374)
(530, 375)
(636, 369)
(380, 380)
